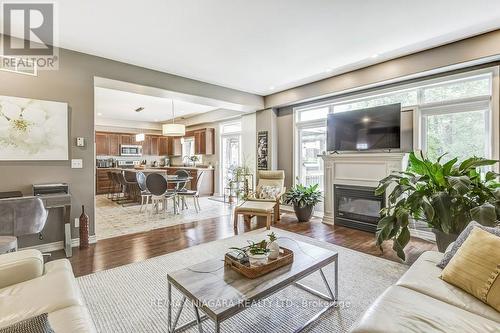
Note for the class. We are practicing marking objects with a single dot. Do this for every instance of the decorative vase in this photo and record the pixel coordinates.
(257, 260)
(274, 250)
(303, 214)
(443, 239)
(84, 229)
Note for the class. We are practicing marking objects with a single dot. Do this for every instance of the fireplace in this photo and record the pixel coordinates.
(357, 207)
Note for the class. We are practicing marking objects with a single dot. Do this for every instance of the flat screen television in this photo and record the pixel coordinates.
(377, 128)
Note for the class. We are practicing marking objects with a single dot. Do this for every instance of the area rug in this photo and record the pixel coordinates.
(114, 220)
(132, 298)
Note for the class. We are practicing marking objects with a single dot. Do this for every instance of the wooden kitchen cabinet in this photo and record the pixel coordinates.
(103, 183)
(175, 146)
(204, 141)
(126, 139)
(154, 145)
(114, 144)
(102, 144)
(163, 146)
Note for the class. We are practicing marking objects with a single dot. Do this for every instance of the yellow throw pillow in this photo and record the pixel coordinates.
(476, 267)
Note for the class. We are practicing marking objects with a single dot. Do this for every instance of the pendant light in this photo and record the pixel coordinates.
(173, 129)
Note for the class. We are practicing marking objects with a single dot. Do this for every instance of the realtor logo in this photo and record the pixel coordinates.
(28, 35)
(33, 24)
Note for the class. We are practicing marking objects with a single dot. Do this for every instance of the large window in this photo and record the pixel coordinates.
(451, 115)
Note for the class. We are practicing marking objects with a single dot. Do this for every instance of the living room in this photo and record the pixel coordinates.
(259, 171)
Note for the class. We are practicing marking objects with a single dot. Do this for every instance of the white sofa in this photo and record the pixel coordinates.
(29, 288)
(421, 302)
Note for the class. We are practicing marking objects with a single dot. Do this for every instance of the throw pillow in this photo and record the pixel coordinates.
(461, 239)
(269, 192)
(476, 266)
(38, 324)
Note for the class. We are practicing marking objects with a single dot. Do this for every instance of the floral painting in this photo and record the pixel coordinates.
(32, 129)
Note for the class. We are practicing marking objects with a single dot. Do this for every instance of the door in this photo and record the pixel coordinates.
(311, 143)
(231, 156)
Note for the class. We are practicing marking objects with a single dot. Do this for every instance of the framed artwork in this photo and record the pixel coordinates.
(32, 129)
(262, 151)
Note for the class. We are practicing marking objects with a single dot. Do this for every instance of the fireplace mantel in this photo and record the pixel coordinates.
(361, 169)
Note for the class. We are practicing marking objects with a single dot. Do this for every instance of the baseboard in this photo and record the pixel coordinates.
(56, 246)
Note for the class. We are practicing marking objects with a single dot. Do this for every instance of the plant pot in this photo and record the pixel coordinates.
(443, 239)
(257, 260)
(274, 250)
(303, 213)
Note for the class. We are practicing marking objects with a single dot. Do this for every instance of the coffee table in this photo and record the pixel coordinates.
(220, 293)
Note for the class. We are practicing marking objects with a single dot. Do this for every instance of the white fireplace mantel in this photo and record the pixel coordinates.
(361, 169)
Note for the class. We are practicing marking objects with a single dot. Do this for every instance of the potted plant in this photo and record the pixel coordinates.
(303, 198)
(446, 196)
(257, 252)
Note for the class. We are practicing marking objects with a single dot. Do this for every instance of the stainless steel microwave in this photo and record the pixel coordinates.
(130, 150)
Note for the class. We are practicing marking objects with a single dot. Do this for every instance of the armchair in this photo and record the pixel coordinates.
(273, 178)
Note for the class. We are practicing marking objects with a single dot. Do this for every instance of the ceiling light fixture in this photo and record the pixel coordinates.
(271, 88)
(328, 70)
(99, 114)
(375, 55)
(173, 129)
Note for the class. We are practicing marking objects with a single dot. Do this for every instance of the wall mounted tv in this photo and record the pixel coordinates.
(377, 128)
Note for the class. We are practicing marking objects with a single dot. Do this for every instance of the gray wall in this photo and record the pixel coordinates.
(285, 145)
(266, 120)
(73, 83)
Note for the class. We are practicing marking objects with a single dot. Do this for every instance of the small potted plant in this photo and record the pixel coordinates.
(303, 198)
(257, 253)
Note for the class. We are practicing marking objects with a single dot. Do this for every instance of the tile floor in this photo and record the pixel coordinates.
(112, 219)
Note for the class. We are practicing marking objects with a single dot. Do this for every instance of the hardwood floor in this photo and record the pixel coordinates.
(118, 251)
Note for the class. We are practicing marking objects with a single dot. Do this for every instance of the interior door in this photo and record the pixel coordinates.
(231, 156)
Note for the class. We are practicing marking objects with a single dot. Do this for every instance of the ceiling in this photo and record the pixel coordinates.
(265, 46)
(117, 104)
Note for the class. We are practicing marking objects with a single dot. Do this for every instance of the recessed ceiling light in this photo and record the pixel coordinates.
(99, 114)
(271, 88)
(328, 70)
(375, 55)
(156, 120)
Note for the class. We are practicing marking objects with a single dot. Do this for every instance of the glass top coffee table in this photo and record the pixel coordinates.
(220, 293)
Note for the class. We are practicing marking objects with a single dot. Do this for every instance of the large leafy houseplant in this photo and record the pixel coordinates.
(446, 196)
(303, 198)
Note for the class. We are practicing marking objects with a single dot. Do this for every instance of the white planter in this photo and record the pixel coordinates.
(258, 259)
(274, 250)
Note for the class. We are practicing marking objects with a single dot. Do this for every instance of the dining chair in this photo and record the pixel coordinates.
(181, 186)
(195, 194)
(145, 194)
(157, 185)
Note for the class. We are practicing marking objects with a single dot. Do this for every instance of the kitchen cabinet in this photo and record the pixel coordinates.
(103, 182)
(102, 144)
(126, 139)
(175, 146)
(204, 141)
(163, 146)
(153, 149)
(114, 144)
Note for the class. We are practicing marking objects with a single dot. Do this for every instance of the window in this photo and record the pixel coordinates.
(313, 114)
(406, 98)
(188, 147)
(465, 88)
(460, 130)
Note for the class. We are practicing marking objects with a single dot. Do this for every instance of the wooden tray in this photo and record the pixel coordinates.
(285, 257)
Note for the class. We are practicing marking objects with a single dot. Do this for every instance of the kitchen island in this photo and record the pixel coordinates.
(103, 183)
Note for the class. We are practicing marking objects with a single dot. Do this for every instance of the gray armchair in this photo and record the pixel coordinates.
(19, 217)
